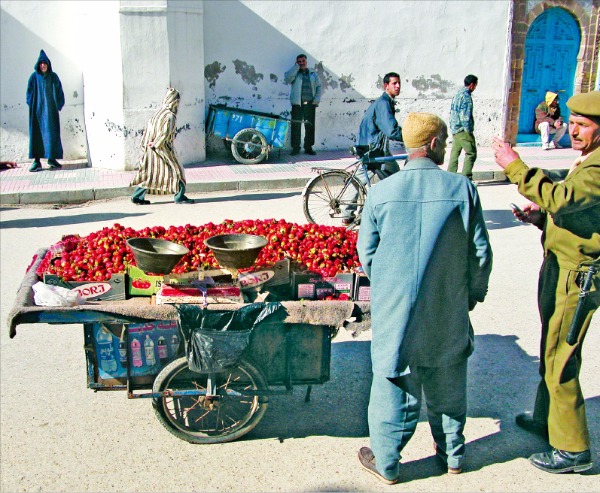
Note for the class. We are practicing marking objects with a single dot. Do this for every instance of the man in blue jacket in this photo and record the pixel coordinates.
(45, 99)
(424, 245)
(305, 96)
(377, 127)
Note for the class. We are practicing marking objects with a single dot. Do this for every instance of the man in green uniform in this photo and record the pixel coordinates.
(568, 212)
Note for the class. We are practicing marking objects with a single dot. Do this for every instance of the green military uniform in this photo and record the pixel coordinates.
(571, 235)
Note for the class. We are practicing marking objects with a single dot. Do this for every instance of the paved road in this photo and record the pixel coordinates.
(56, 435)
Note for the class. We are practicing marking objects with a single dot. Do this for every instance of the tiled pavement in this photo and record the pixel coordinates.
(76, 183)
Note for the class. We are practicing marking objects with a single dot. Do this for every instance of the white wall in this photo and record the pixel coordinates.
(120, 56)
(25, 29)
(433, 45)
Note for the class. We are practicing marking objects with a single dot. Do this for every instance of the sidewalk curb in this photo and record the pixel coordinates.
(82, 196)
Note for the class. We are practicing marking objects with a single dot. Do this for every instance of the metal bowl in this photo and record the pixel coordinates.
(156, 256)
(236, 251)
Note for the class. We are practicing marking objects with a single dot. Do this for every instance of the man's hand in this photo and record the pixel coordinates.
(504, 153)
(531, 214)
(558, 124)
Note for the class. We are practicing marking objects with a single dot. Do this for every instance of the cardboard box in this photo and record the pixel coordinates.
(113, 289)
(187, 294)
(141, 284)
(312, 286)
(362, 288)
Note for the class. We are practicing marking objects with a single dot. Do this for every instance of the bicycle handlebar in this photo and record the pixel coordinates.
(366, 159)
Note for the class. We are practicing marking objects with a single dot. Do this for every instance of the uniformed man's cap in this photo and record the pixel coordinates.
(587, 104)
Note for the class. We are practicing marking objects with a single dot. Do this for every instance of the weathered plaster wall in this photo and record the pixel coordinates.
(25, 29)
(115, 60)
(352, 44)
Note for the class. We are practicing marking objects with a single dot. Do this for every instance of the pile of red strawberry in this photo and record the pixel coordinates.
(326, 250)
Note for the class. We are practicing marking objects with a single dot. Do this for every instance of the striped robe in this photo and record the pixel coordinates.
(159, 170)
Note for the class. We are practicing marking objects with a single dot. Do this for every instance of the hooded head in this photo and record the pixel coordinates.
(42, 58)
(550, 97)
(171, 100)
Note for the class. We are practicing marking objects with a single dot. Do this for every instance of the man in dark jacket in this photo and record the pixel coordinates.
(377, 127)
(45, 99)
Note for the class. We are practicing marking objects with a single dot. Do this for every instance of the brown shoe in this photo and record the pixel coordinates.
(367, 460)
(442, 456)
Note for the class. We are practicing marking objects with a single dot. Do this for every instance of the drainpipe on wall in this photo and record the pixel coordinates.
(507, 70)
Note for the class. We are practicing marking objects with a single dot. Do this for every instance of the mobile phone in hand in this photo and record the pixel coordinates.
(516, 209)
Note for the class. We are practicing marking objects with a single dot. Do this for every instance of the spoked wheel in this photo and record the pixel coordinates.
(249, 146)
(231, 411)
(330, 196)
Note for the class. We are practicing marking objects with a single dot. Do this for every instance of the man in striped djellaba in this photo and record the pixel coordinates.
(159, 170)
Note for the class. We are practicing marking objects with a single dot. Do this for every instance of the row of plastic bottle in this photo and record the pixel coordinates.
(150, 356)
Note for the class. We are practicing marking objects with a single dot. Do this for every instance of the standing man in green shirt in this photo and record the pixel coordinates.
(568, 212)
(462, 125)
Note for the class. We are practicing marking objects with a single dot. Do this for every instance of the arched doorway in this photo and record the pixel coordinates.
(551, 48)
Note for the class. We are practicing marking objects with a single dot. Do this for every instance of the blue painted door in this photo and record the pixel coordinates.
(551, 49)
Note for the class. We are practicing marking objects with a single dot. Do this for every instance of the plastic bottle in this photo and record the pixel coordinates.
(123, 353)
(106, 350)
(174, 344)
(136, 353)
(149, 351)
(162, 349)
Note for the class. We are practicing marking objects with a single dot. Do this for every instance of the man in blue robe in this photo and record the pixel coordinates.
(45, 99)
(425, 247)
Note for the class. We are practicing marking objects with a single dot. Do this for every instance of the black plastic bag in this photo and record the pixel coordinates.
(215, 340)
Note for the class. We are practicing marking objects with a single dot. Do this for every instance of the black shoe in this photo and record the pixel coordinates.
(367, 460)
(295, 152)
(185, 200)
(35, 166)
(53, 163)
(310, 151)
(140, 201)
(558, 461)
(526, 421)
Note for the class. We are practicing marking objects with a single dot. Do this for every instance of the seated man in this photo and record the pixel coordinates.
(377, 128)
(548, 121)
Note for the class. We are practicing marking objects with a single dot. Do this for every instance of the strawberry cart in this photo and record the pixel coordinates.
(208, 369)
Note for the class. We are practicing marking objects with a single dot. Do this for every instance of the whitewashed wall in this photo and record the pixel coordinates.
(25, 29)
(433, 45)
(120, 56)
(117, 57)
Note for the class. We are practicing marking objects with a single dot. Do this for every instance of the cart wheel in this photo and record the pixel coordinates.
(223, 418)
(249, 146)
(330, 196)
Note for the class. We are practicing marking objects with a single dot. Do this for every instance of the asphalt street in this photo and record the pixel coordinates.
(57, 435)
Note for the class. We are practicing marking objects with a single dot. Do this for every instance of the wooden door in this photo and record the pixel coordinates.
(551, 49)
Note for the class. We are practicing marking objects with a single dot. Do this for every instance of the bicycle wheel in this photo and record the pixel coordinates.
(249, 146)
(231, 413)
(331, 197)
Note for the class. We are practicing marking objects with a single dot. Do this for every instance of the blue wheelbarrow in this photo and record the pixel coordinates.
(249, 134)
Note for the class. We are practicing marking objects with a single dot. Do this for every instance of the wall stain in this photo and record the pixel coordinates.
(75, 94)
(248, 73)
(327, 79)
(434, 86)
(212, 72)
(346, 82)
(273, 77)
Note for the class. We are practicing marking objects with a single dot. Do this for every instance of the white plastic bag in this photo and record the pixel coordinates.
(47, 295)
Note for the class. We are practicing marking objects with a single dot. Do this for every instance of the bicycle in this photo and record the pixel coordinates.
(336, 196)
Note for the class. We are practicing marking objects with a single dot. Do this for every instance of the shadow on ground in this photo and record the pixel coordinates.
(502, 383)
(64, 220)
